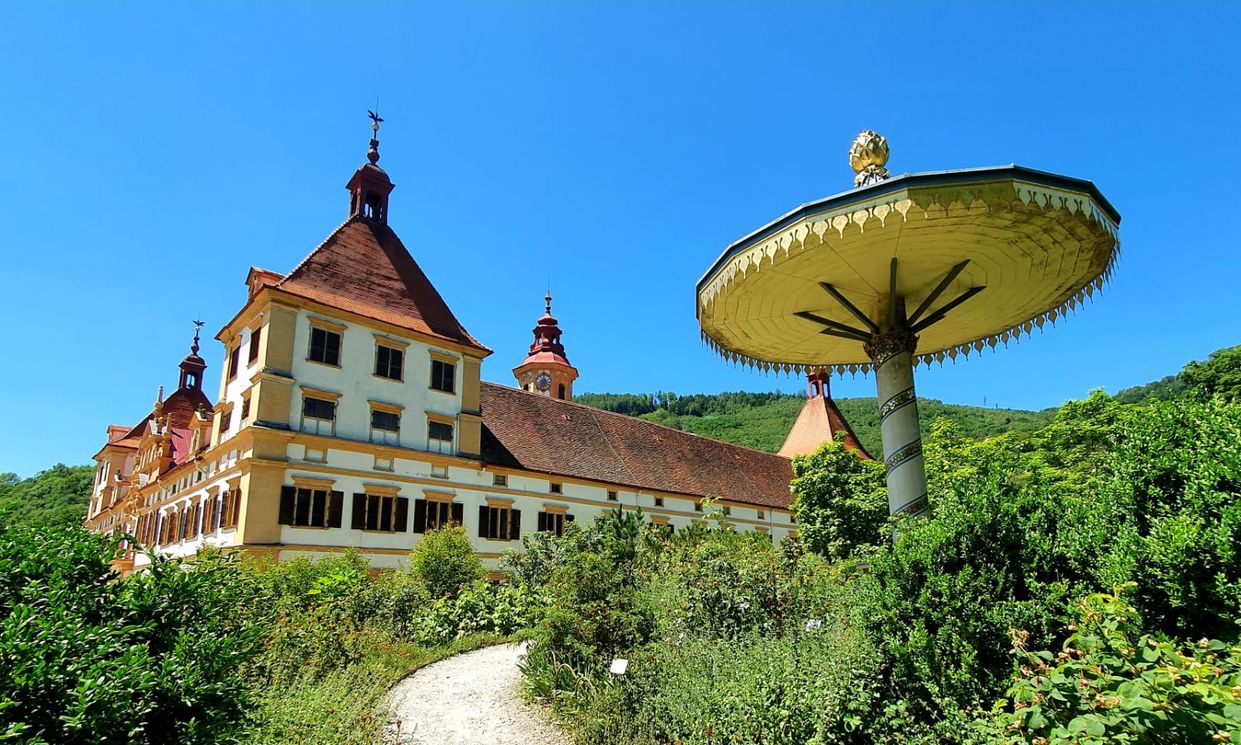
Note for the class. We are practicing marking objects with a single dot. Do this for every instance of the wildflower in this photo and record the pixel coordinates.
(813, 624)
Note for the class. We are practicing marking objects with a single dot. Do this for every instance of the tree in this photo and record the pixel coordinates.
(55, 496)
(840, 501)
(1219, 376)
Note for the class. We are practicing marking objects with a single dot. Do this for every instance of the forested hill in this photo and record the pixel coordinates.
(761, 420)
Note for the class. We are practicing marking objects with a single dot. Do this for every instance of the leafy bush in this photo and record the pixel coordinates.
(1111, 684)
(444, 561)
(479, 608)
(840, 501)
(157, 658)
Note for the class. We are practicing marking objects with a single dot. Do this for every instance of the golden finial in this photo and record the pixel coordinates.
(868, 155)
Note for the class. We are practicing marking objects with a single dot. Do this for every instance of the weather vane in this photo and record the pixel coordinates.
(373, 154)
(198, 325)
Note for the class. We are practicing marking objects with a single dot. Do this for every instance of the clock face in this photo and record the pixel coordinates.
(543, 382)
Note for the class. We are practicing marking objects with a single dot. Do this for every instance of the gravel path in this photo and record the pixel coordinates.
(469, 699)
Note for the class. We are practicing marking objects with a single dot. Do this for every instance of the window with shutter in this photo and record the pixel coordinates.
(499, 523)
(310, 508)
(255, 336)
(553, 521)
(420, 515)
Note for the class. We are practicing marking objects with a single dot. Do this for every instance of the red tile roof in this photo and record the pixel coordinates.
(820, 421)
(537, 433)
(364, 268)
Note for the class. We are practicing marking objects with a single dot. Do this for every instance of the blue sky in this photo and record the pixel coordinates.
(150, 153)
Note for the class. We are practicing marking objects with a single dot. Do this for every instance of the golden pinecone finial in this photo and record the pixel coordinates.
(868, 155)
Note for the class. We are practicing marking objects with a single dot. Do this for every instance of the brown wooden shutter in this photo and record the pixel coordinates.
(335, 506)
(358, 519)
(514, 525)
(402, 514)
(484, 521)
(287, 495)
(420, 515)
(458, 513)
(542, 521)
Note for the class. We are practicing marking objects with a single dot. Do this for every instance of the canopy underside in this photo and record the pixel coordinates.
(1038, 252)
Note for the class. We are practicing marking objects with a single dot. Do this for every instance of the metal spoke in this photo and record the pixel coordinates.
(939, 289)
(850, 307)
(855, 333)
(939, 314)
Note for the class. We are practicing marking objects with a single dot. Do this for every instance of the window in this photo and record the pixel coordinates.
(443, 376)
(233, 358)
(385, 427)
(555, 488)
(318, 415)
(613, 496)
(659, 501)
(439, 436)
(383, 464)
(232, 508)
(324, 346)
(434, 514)
(305, 507)
(255, 337)
(439, 471)
(245, 409)
(560, 391)
(762, 515)
(226, 420)
(697, 506)
(499, 523)
(728, 510)
(384, 512)
(499, 479)
(554, 521)
(389, 362)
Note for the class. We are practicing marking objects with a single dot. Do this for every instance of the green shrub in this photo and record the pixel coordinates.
(1112, 684)
(444, 561)
(495, 608)
(88, 657)
(840, 501)
(1173, 525)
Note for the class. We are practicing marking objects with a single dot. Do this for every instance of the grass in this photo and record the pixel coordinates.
(347, 705)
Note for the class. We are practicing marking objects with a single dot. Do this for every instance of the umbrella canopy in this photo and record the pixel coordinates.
(974, 256)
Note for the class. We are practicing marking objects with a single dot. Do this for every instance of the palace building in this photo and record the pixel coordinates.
(351, 412)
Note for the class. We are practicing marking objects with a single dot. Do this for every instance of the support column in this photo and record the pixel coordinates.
(892, 353)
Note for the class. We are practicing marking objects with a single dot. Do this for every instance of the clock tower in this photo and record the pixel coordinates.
(546, 369)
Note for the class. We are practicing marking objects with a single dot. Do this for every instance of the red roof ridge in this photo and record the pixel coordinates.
(286, 277)
(363, 267)
(524, 431)
(647, 422)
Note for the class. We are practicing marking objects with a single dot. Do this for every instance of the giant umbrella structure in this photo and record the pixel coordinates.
(907, 270)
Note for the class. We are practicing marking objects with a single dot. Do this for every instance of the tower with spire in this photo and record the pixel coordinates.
(370, 186)
(546, 369)
(820, 422)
